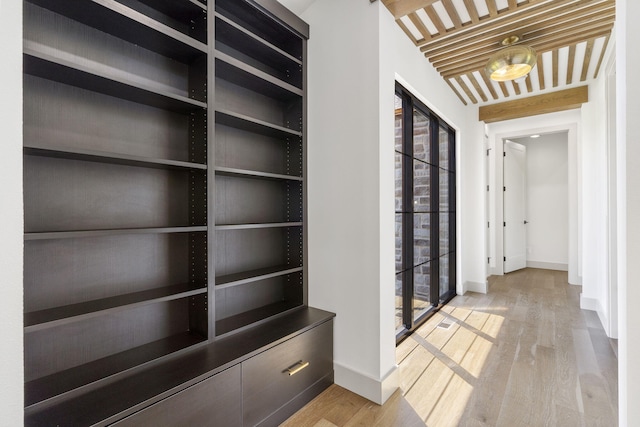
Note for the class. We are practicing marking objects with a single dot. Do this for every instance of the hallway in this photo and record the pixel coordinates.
(522, 355)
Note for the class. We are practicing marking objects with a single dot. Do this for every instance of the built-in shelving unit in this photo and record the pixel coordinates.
(115, 178)
(259, 169)
(164, 179)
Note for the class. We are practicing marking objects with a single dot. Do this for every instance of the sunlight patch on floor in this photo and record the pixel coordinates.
(413, 367)
(452, 404)
(439, 365)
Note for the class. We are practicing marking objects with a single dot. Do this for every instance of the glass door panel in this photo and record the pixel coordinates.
(425, 211)
(422, 290)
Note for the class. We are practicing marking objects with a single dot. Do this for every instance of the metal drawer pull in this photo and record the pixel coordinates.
(297, 368)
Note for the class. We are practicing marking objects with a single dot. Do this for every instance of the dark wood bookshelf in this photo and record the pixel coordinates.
(165, 241)
(115, 18)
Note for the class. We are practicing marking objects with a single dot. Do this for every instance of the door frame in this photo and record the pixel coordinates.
(496, 207)
(611, 326)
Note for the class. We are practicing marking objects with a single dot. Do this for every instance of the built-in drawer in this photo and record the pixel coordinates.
(273, 378)
(212, 402)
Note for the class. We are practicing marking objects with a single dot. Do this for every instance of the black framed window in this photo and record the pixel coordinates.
(425, 212)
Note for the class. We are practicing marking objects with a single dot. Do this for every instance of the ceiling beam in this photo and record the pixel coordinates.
(408, 32)
(571, 60)
(541, 104)
(415, 19)
(473, 12)
(587, 60)
(456, 92)
(503, 88)
(554, 69)
(466, 89)
(435, 19)
(493, 9)
(453, 13)
(516, 87)
(528, 83)
(477, 87)
(602, 52)
(487, 82)
(400, 8)
(540, 67)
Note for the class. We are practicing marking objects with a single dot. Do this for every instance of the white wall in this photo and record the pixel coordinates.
(346, 183)
(628, 135)
(11, 234)
(594, 202)
(355, 56)
(547, 203)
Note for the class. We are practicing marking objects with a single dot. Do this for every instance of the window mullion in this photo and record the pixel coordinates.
(407, 216)
(434, 231)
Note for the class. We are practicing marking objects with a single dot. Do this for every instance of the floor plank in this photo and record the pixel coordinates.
(525, 354)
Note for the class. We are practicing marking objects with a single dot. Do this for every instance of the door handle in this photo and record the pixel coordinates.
(526, 222)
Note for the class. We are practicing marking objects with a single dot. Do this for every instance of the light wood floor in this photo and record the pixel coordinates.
(522, 355)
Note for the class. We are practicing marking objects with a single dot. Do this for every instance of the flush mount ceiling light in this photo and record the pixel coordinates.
(512, 62)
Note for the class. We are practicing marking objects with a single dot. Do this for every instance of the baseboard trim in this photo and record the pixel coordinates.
(548, 265)
(479, 287)
(587, 303)
(377, 391)
(593, 304)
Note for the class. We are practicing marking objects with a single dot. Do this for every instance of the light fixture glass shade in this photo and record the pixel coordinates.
(511, 63)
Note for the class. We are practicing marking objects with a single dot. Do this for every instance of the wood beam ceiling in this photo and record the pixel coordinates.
(491, 36)
(511, 13)
(400, 8)
(458, 37)
(541, 104)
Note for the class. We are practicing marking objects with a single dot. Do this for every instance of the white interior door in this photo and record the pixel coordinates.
(515, 233)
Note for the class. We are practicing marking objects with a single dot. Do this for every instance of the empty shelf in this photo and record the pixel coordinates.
(244, 277)
(114, 158)
(103, 80)
(52, 317)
